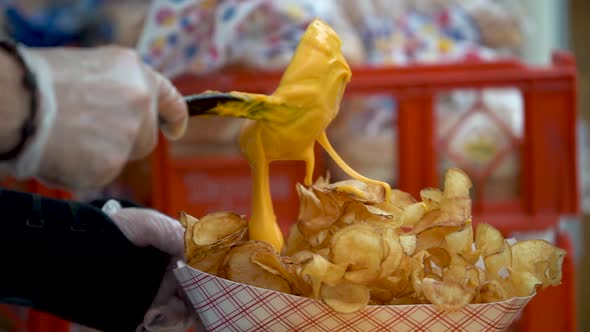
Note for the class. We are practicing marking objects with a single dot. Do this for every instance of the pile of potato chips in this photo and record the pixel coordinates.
(351, 248)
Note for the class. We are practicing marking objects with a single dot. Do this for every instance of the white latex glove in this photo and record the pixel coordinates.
(144, 227)
(99, 108)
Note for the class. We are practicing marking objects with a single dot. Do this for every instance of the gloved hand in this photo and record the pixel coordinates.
(99, 108)
(144, 227)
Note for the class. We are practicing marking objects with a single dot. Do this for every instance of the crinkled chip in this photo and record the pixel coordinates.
(210, 262)
(207, 240)
(408, 242)
(296, 242)
(302, 257)
(356, 212)
(393, 252)
(239, 267)
(488, 240)
(490, 291)
(288, 269)
(522, 283)
(368, 249)
(345, 297)
(495, 262)
(321, 271)
(456, 203)
(440, 257)
(431, 197)
(460, 242)
(190, 248)
(433, 237)
(412, 214)
(400, 282)
(358, 190)
(317, 210)
(220, 229)
(401, 199)
(445, 295)
(540, 258)
(418, 265)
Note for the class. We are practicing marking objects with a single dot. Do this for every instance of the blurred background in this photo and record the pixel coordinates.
(499, 88)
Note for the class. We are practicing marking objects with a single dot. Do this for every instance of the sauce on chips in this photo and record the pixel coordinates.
(305, 102)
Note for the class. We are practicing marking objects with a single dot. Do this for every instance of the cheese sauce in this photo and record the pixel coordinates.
(305, 102)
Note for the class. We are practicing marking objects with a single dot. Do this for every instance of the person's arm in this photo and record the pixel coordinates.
(14, 101)
(71, 260)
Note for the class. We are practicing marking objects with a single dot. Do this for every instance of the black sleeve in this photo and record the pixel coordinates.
(69, 259)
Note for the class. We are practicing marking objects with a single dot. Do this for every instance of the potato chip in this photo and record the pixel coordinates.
(401, 199)
(494, 263)
(317, 210)
(433, 237)
(418, 265)
(219, 229)
(238, 266)
(380, 296)
(324, 252)
(447, 296)
(540, 258)
(182, 219)
(355, 212)
(320, 271)
(490, 291)
(296, 242)
(302, 257)
(523, 283)
(351, 212)
(399, 284)
(190, 248)
(359, 191)
(375, 211)
(391, 208)
(322, 181)
(474, 276)
(488, 240)
(208, 239)
(431, 198)
(455, 206)
(455, 273)
(412, 214)
(460, 242)
(210, 262)
(345, 297)
(440, 257)
(320, 240)
(428, 221)
(408, 242)
(368, 253)
(288, 269)
(393, 252)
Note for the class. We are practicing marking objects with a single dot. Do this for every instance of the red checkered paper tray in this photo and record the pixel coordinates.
(224, 305)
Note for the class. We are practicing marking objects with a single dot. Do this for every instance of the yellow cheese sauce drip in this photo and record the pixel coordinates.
(289, 122)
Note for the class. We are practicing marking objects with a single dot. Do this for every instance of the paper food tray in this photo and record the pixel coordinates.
(224, 305)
